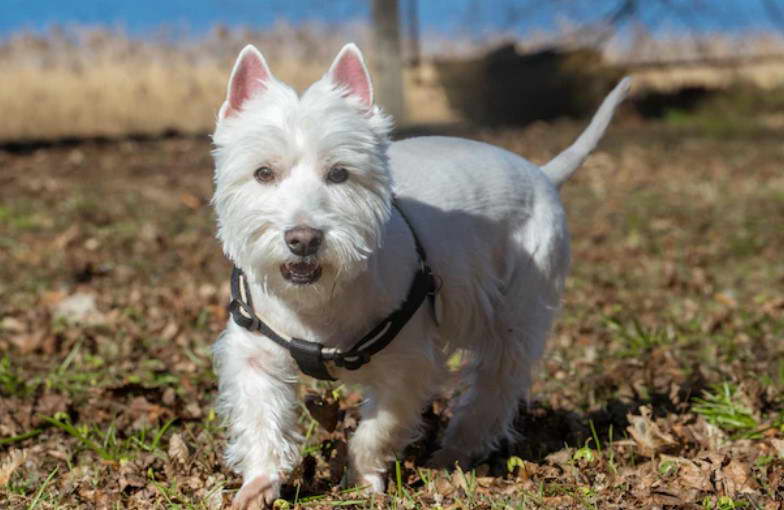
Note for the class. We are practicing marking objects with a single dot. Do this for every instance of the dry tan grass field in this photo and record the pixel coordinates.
(90, 82)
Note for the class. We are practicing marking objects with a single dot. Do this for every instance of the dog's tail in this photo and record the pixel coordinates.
(563, 165)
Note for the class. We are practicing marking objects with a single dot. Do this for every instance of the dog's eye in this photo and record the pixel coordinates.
(264, 174)
(337, 174)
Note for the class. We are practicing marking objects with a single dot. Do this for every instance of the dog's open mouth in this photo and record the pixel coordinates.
(301, 273)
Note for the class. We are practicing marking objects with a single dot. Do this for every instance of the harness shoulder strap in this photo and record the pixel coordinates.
(386, 331)
(424, 266)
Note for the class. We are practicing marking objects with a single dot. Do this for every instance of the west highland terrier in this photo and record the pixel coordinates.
(370, 262)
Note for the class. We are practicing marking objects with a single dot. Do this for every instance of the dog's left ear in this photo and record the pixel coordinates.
(349, 71)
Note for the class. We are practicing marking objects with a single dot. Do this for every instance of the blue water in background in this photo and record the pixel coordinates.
(472, 18)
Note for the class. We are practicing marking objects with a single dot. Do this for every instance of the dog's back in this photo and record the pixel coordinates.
(495, 230)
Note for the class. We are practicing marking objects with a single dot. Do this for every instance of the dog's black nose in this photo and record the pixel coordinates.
(303, 240)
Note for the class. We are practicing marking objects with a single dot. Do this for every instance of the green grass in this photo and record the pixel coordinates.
(723, 503)
(721, 406)
(21, 217)
(730, 113)
(635, 338)
(11, 381)
(106, 443)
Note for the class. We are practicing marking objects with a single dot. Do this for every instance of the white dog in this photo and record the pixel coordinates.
(330, 223)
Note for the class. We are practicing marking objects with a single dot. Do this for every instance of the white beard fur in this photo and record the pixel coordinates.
(495, 235)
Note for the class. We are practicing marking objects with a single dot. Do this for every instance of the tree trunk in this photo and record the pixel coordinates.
(387, 63)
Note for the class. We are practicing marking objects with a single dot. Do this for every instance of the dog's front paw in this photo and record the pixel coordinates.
(447, 458)
(366, 484)
(259, 489)
(373, 483)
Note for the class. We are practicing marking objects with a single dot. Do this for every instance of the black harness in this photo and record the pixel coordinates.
(310, 356)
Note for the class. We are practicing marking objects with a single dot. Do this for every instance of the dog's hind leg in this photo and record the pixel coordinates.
(483, 414)
(499, 375)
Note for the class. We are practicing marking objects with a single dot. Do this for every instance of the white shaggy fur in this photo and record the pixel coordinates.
(495, 235)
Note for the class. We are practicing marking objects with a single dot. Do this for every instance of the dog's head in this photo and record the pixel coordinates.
(302, 184)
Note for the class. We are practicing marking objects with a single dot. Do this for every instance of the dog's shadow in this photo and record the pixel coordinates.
(544, 430)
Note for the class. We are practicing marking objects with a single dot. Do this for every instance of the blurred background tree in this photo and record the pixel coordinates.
(387, 56)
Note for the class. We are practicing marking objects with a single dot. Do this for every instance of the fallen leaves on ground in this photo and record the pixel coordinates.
(112, 291)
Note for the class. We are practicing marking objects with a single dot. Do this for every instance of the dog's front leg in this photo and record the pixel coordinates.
(257, 398)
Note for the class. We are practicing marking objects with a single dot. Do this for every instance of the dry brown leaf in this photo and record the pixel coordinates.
(67, 237)
(325, 412)
(650, 439)
(145, 413)
(27, 343)
(561, 457)
(51, 404)
(11, 463)
(178, 450)
(58, 454)
(195, 482)
(738, 479)
(338, 461)
(459, 480)
(170, 331)
(193, 410)
(707, 435)
(444, 487)
(214, 499)
(130, 480)
(169, 396)
(13, 325)
(190, 200)
(778, 444)
(485, 481)
(52, 297)
(78, 308)
(557, 501)
(526, 471)
(694, 476)
(665, 497)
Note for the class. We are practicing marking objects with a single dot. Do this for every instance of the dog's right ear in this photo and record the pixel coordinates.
(249, 77)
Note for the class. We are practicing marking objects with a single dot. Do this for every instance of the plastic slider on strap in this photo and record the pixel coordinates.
(255, 324)
(309, 358)
(353, 360)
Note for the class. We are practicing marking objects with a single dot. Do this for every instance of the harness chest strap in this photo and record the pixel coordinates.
(311, 356)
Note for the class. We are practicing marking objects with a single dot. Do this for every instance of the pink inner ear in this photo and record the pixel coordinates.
(350, 72)
(249, 78)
